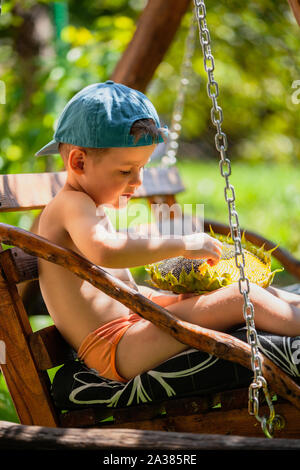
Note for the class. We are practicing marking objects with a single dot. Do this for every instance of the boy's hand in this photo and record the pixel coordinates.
(201, 245)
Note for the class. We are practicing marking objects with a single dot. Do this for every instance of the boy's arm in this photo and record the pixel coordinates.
(107, 249)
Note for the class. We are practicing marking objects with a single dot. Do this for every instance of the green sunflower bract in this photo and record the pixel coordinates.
(182, 275)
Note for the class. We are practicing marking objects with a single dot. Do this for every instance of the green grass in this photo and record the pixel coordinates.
(267, 197)
(267, 201)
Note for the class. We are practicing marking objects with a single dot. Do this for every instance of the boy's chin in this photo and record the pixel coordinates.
(118, 203)
(121, 202)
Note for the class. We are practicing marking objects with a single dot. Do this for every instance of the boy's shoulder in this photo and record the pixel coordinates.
(67, 194)
(67, 213)
(72, 201)
(68, 204)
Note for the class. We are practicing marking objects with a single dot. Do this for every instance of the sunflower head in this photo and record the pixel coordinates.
(182, 275)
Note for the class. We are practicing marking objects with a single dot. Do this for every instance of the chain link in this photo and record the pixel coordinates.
(172, 146)
(259, 383)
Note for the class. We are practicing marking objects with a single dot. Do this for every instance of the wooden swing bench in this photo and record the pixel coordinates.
(30, 354)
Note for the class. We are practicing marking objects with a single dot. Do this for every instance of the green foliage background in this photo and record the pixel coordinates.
(256, 48)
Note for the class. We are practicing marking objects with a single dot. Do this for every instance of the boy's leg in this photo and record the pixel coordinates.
(290, 297)
(145, 345)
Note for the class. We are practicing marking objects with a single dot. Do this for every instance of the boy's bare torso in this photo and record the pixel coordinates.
(75, 305)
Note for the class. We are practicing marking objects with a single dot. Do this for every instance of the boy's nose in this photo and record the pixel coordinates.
(137, 179)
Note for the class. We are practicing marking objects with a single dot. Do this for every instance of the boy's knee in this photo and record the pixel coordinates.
(256, 294)
(252, 286)
(234, 290)
(255, 291)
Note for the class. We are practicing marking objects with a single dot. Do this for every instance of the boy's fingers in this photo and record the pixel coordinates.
(213, 261)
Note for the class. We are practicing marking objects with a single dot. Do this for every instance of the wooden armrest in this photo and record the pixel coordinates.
(213, 342)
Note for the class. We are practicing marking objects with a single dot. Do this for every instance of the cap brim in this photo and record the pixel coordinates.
(50, 149)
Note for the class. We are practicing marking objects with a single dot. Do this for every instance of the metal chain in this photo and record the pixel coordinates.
(259, 383)
(172, 146)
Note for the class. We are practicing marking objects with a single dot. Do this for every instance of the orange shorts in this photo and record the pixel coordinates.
(98, 349)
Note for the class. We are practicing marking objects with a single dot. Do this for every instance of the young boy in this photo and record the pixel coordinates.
(106, 135)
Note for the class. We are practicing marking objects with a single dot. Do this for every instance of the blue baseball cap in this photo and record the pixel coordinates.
(101, 116)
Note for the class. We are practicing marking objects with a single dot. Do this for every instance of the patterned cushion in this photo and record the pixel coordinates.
(189, 373)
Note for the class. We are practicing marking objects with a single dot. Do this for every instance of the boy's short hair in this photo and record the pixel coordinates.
(139, 128)
(148, 127)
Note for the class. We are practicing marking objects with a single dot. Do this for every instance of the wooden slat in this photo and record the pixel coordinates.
(18, 437)
(49, 348)
(155, 31)
(228, 400)
(229, 422)
(24, 266)
(193, 405)
(22, 192)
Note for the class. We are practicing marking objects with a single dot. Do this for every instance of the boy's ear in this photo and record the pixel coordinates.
(77, 161)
